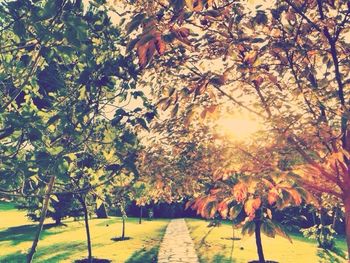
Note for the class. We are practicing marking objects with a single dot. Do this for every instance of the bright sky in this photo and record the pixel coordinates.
(238, 127)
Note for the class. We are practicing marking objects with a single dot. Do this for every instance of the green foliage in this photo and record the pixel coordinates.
(248, 228)
(324, 234)
(60, 207)
(61, 66)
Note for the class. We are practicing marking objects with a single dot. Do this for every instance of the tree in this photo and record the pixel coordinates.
(140, 194)
(284, 61)
(61, 206)
(250, 194)
(120, 195)
(180, 160)
(61, 66)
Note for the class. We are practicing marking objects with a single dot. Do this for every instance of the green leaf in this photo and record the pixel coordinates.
(52, 120)
(135, 22)
(48, 11)
(54, 198)
(129, 137)
(268, 228)
(50, 79)
(280, 231)
(99, 202)
(34, 134)
(143, 123)
(55, 150)
(235, 211)
(19, 28)
(248, 228)
(131, 44)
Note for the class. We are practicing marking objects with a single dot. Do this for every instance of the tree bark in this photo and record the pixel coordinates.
(42, 219)
(258, 241)
(87, 228)
(335, 216)
(140, 219)
(123, 229)
(58, 221)
(347, 222)
(320, 237)
(233, 231)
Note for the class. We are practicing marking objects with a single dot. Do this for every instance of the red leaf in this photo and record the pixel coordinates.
(160, 45)
(145, 53)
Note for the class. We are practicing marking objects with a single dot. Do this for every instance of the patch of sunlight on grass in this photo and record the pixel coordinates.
(68, 243)
(216, 246)
(10, 216)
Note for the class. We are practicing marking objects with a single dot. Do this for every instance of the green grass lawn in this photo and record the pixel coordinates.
(214, 245)
(5, 206)
(67, 243)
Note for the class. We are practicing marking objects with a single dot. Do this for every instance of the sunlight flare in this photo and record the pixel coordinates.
(238, 127)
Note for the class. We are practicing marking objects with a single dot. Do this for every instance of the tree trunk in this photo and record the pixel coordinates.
(347, 222)
(258, 241)
(58, 221)
(140, 219)
(335, 215)
(320, 238)
(87, 228)
(233, 240)
(42, 219)
(123, 229)
(314, 217)
(233, 230)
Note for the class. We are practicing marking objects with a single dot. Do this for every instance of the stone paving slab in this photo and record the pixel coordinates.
(177, 245)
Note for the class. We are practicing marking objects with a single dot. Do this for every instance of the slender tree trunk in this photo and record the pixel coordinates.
(258, 239)
(320, 238)
(347, 222)
(42, 219)
(314, 217)
(123, 229)
(233, 240)
(87, 228)
(140, 219)
(335, 216)
(233, 230)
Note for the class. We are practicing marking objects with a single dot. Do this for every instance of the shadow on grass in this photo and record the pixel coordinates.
(94, 260)
(144, 255)
(25, 233)
(118, 239)
(335, 255)
(57, 252)
(218, 258)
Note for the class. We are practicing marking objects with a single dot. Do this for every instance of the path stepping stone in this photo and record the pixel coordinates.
(177, 245)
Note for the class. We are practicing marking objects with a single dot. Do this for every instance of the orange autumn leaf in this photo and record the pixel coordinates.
(256, 203)
(272, 196)
(160, 44)
(296, 196)
(240, 192)
(251, 206)
(147, 46)
(223, 209)
(145, 53)
(182, 34)
(250, 57)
